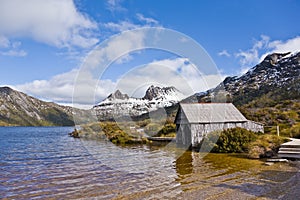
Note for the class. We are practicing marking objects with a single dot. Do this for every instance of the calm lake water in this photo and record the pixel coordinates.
(45, 163)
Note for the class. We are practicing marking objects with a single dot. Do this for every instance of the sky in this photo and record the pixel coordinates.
(48, 49)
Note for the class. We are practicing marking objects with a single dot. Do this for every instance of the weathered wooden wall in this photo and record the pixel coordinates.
(253, 126)
(192, 134)
(183, 134)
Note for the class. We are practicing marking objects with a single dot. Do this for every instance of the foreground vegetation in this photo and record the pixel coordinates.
(238, 140)
(235, 140)
(128, 132)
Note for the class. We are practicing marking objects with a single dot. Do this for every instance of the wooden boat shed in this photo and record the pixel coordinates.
(194, 121)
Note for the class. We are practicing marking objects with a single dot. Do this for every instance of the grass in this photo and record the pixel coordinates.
(238, 140)
(265, 146)
(128, 133)
(115, 132)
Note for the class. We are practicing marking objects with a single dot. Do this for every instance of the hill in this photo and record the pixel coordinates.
(19, 109)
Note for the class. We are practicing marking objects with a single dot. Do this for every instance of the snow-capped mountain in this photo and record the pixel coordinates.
(118, 104)
(278, 73)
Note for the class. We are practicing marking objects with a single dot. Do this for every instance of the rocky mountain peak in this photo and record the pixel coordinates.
(154, 92)
(275, 57)
(118, 95)
(5, 90)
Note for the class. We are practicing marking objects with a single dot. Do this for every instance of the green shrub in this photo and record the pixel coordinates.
(167, 130)
(235, 140)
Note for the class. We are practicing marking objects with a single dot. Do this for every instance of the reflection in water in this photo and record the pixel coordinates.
(184, 164)
(44, 163)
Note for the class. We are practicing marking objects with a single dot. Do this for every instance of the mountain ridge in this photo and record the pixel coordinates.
(276, 71)
(20, 109)
(118, 105)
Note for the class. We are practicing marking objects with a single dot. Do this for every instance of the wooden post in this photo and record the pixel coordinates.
(277, 130)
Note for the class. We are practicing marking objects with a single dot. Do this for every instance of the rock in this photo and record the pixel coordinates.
(256, 152)
(269, 163)
(275, 57)
(74, 134)
(118, 95)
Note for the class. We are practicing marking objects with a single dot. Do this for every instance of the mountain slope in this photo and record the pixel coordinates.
(118, 105)
(276, 76)
(17, 108)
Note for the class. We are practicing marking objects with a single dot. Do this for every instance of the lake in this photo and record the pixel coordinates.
(45, 163)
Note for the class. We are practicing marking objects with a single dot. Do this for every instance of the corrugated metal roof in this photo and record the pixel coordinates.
(212, 113)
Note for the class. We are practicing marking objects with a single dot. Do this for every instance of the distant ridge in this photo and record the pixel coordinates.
(19, 109)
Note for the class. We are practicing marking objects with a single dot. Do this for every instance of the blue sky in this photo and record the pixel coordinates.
(44, 43)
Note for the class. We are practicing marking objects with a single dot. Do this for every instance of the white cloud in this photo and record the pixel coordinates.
(279, 46)
(115, 5)
(60, 88)
(127, 25)
(11, 49)
(148, 20)
(251, 56)
(224, 53)
(177, 72)
(14, 53)
(121, 26)
(54, 22)
(118, 47)
(4, 42)
(261, 48)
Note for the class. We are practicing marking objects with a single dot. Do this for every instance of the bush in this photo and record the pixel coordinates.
(167, 130)
(235, 140)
